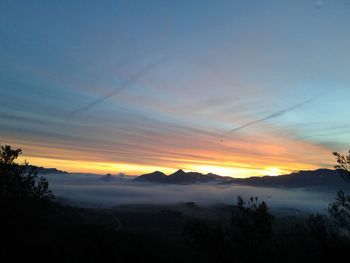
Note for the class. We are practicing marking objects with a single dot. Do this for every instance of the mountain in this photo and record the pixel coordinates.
(110, 177)
(179, 177)
(43, 171)
(156, 177)
(317, 178)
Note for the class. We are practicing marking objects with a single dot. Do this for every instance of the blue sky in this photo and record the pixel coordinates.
(203, 68)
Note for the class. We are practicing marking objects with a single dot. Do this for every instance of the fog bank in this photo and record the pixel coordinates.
(90, 190)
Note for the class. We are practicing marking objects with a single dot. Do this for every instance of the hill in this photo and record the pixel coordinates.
(43, 170)
(179, 177)
(316, 178)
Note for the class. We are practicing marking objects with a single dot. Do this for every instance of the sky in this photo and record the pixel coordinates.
(237, 88)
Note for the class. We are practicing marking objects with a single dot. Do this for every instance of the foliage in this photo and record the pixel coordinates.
(250, 229)
(24, 196)
(20, 182)
(343, 165)
(246, 236)
(251, 220)
(339, 210)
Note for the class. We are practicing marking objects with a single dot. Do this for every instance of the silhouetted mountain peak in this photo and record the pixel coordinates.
(178, 177)
(316, 178)
(179, 172)
(157, 172)
(156, 176)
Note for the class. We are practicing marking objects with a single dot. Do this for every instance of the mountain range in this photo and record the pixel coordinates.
(316, 178)
(179, 177)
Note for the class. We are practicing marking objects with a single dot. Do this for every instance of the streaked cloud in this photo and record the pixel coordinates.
(233, 64)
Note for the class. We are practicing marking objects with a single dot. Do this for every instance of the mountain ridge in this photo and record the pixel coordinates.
(44, 170)
(178, 177)
(305, 178)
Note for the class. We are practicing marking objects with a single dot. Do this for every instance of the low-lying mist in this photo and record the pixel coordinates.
(88, 190)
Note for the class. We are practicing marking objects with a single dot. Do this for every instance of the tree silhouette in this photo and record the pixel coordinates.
(339, 210)
(20, 181)
(245, 237)
(251, 222)
(343, 165)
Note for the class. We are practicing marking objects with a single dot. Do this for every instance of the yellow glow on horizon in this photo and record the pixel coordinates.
(274, 171)
(246, 156)
(80, 166)
(239, 172)
(225, 169)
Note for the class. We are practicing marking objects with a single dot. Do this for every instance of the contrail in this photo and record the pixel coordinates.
(124, 85)
(271, 116)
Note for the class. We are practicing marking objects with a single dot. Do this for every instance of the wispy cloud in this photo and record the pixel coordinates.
(271, 116)
(125, 85)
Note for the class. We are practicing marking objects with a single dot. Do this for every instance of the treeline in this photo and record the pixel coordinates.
(250, 236)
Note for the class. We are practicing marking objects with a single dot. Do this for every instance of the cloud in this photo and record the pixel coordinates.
(271, 116)
(125, 85)
(89, 190)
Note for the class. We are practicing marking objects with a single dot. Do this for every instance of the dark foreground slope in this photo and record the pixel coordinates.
(182, 233)
(68, 234)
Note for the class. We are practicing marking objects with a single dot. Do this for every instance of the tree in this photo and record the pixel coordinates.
(339, 210)
(251, 221)
(20, 181)
(343, 165)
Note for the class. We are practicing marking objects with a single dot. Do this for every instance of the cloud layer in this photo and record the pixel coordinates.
(90, 191)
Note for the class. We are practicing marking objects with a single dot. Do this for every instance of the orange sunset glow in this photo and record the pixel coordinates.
(243, 157)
